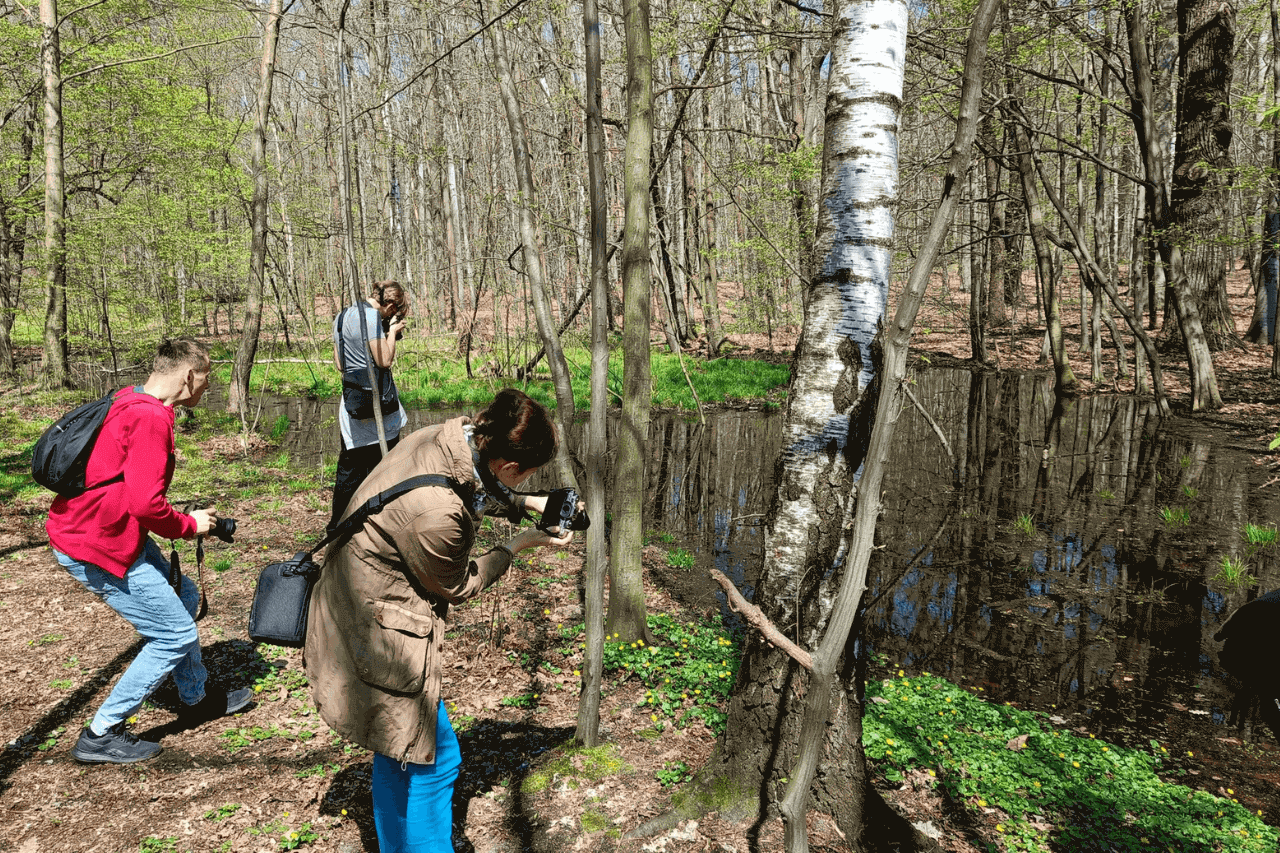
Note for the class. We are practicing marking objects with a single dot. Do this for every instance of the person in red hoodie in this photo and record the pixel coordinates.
(101, 538)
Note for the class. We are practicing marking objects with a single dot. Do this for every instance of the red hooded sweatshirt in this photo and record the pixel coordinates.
(107, 526)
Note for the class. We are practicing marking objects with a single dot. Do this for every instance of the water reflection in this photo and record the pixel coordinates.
(1060, 555)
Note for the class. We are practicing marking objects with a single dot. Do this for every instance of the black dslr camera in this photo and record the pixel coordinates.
(562, 512)
(386, 326)
(224, 529)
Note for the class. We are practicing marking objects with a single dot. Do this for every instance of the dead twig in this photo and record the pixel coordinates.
(760, 622)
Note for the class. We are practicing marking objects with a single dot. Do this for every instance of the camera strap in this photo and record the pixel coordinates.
(175, 577)
(353, 522)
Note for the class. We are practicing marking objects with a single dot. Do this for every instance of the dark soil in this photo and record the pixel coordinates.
(242, 784)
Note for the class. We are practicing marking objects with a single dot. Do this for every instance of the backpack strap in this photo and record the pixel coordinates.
(342, 358)
(378, 502)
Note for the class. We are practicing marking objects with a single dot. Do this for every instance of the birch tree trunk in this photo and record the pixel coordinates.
(238, 393)
(626, 616)
(831, 407)
(860, 541)
(54, 368)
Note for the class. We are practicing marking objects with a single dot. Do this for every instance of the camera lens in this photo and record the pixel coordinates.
(224, 529)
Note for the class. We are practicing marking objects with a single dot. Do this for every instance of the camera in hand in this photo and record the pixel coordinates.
(562, 512)
(386, 327)
(224, 529)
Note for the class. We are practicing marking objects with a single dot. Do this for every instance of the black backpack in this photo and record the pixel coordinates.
(60, 456)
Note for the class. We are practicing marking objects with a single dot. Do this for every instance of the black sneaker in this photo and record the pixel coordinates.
(218, 703)
(115, 746)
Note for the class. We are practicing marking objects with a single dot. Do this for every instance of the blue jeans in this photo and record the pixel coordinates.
(171, 643)
(413, 805)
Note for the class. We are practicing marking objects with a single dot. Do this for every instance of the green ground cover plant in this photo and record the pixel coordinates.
(689, 673)
(1014, 767)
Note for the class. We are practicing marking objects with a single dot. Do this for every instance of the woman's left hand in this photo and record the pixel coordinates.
(535, 538)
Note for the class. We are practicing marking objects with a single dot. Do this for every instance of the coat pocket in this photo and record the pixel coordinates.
(393, 656)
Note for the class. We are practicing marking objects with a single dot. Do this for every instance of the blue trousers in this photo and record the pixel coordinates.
(413, 805)
(171, 643)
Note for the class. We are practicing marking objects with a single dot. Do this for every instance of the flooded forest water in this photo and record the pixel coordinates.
(1059, 556)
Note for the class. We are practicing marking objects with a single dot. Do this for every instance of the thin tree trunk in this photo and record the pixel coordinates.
(1270, 278)
(15, 223)
(588, 731)
(54, 368)
(238, 393)
(532, 252)
(710, 279)
(1066, 382)
(627, 616)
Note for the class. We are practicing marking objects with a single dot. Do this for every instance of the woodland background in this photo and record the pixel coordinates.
(158, 104)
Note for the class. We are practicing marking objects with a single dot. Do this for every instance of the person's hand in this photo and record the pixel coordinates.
(535, 538)
(205, 519)
(397, 327)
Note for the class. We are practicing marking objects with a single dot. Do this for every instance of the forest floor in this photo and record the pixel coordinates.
(249, 783)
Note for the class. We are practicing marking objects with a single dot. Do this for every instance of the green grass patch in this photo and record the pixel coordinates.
(1098, 796)
(222, 812)
(430, 375)
(1175, 516)
(1233, 572)
(1259, 535)
(679, 558)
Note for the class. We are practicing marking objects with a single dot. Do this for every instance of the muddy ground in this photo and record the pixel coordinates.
(245, 784)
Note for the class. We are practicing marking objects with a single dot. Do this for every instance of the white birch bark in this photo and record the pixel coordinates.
(846, 300)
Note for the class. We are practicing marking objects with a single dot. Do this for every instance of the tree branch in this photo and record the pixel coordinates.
(760, 622)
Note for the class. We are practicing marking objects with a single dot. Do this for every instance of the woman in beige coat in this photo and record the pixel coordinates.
(377, 614)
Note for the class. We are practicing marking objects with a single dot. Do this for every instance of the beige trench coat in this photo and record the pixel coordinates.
(376, 624)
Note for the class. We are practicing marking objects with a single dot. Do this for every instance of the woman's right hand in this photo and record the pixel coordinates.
(205, 519)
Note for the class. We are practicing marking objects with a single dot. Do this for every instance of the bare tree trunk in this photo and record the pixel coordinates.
(1201, 174)
(860, 541)
(1269, 280)
(588, 731)
(627, 616)
(831, 408)
(238, 393)
(1067, 384)
(54, 368)
(14, 250)
(710, 280)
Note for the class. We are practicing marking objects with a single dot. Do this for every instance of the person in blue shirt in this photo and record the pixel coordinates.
(360, 451)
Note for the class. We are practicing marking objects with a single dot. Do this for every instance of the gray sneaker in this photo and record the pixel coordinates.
(216, 703)
(115, 746)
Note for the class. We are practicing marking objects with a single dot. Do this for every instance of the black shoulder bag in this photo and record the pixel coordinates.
(357, 396)
(283, 594)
